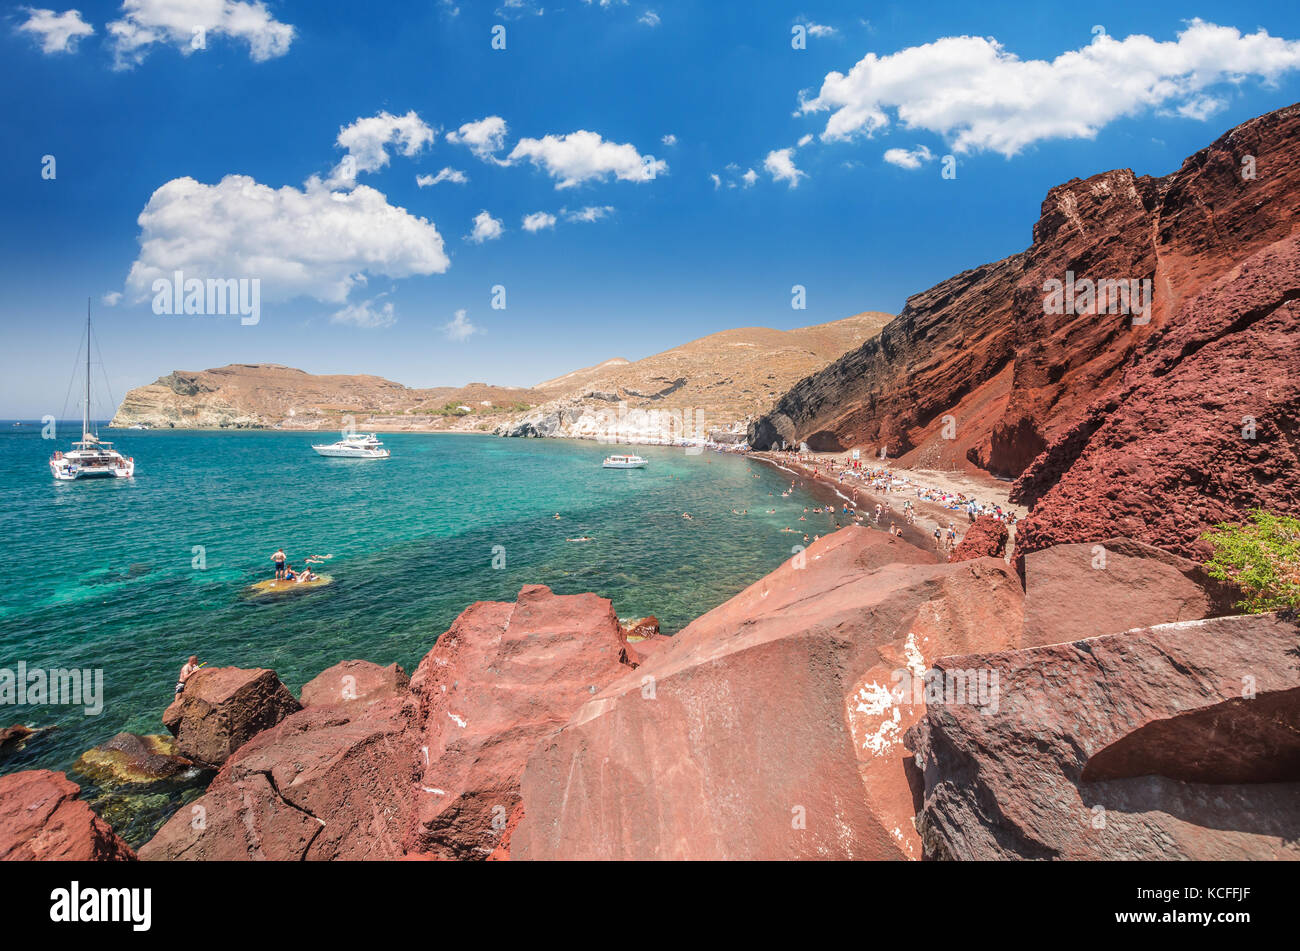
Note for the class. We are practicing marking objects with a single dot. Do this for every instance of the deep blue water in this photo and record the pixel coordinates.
(103, 574)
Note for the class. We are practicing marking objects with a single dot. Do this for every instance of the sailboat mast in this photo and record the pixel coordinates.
(85, 412)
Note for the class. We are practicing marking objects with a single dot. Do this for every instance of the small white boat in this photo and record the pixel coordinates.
(354, 446)
(90, 457)
(623, 462)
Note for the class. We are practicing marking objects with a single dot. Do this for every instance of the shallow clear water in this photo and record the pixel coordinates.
(103, 574)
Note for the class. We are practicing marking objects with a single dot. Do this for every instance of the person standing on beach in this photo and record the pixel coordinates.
(279, 558)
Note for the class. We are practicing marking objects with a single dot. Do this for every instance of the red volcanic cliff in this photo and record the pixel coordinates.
(976, 371)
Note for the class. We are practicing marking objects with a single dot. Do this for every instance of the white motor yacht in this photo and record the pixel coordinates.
(623, 462)
(355, 446)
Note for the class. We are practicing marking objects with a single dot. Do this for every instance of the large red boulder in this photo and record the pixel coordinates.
(357, 681)
(41, 818)
(1075, 591)
(986, 538)
(1175, 741)
(770, 727)
(328, 782)
(502, 678)
(223, 708)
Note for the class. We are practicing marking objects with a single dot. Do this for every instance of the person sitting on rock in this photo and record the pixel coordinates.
(191, 665)
(289, 574)
(307, 575)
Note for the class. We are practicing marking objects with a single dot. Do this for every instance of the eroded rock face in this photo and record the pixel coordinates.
(41, 819)
(1203, 428)
(503, 677)
(986, 538)
(769, 727)
(355, 681)
(224, 707)
(1175, 741)
(982, 348)
(1076, 591)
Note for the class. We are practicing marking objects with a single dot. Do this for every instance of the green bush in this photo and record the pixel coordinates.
(1262, 558)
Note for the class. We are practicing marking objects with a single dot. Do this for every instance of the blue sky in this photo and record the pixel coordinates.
(366, 273)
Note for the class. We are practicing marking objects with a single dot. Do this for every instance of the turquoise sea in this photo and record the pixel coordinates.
(132, 576)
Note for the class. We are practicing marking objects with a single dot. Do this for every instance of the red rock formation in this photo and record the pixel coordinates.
(1076, 591)
(981, 348)
(986, 538)
(503, 677)
(328, 782)
(355, 681)
(433, 770)
(224, 707)
(42, 819)
(1203, 427)
(1176, 741)
(767, 727)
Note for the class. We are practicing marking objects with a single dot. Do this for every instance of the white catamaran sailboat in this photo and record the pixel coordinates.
(355, 446)
(90, 458)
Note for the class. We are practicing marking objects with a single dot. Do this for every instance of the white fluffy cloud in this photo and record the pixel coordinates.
(669, 140)
(186, 23)
(484, 137)
(820, 29)
(366, 142)
(780, 165)
(366, 313)
(486, 228)
(584, 156)
(908, 158)
(448, 174)
(111, 298)
(589, 214)
(309, 241)
(649, 18)
(749, 178)
(979, 96)
(459, 328)
(58, 32)
(539, 221)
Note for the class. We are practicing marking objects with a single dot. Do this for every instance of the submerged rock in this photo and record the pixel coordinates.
(130, 759)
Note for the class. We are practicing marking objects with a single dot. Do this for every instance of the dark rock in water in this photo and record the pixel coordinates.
(986, 538)
(14, 738)
(1084, 590)
(1179, 741)
(355, 681)
(130, 759)
(222, 708)
(42, 819)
